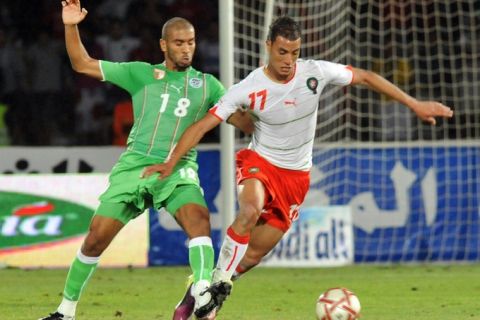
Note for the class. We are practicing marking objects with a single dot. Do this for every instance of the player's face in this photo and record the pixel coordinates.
(283, 55)
(179, 47)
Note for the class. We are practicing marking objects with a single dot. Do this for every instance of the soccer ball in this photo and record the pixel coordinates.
(338, 304)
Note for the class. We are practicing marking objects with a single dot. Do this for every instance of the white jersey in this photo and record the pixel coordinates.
(286, 112)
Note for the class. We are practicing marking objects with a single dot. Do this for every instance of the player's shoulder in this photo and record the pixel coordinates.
(308, 64)
(320, 68)
(139, 64)
(255, 76)
(194, 73)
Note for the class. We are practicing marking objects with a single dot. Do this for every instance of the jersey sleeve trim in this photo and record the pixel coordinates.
(212, 112)
(101, 70)
(349, 67)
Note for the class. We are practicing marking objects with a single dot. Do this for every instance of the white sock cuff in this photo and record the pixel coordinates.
(200, 241)
(87, 260)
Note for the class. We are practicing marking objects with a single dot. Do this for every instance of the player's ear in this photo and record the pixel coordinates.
(268, 45)
(163, 45)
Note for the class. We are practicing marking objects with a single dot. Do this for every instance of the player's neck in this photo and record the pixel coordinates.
(173, 67)
(275, 77)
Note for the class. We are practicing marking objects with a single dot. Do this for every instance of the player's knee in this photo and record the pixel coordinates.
(202, 220)
(94, 245)
(248, 216)
(196, 223)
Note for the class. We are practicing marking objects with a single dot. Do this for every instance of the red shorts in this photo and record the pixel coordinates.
(285, 189)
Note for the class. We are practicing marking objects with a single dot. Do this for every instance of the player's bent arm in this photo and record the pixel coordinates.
(242, 120)
(382, 85)
(425, 110)
(79, 57)
(72, 15)
(192, 136)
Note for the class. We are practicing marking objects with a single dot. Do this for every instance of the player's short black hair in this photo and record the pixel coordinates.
(174, 23)
(286, 27)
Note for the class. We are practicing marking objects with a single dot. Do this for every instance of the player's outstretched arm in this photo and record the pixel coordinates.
(190, 138)
(72, 15)
(425, 110)
(242, 120)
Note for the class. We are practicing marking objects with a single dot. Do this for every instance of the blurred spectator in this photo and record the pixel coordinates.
(148, 50)
(114, 8)
(148, 15)
(4, 140)
(13, 86)
(208, 50)
(116, 44)
(92, 119)
(122, 122)
(45, 59)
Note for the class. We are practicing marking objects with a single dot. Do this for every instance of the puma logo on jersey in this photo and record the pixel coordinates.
(289, 103)
(176, 88)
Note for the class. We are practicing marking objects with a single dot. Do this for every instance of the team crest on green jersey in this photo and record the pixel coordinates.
(196, 83)
(158, 74)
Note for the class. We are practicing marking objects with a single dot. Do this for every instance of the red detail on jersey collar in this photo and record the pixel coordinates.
(293, 75)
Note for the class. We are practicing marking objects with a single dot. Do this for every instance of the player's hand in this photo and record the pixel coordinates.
(164, 169)
(428, 110)
(72, 12)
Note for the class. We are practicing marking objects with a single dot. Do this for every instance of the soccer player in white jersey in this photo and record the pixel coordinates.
(273, 172)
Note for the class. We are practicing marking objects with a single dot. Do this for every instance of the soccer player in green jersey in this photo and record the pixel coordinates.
(167, 99)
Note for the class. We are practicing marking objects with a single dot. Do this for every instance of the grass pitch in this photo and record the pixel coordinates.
(386, 293)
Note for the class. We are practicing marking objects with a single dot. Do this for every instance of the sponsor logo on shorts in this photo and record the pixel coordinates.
(196, 83)
(253, 170)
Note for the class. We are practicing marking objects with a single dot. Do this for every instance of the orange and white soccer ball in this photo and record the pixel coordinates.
(338, 304)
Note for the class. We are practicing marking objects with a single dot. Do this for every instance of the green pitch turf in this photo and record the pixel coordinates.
(430, 292)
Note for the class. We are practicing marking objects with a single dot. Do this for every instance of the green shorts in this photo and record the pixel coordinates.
(128, 195)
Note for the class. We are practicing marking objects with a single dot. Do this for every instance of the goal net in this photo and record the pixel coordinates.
(413, 188)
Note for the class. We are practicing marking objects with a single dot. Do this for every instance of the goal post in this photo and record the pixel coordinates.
(227, 134)
(413, 188)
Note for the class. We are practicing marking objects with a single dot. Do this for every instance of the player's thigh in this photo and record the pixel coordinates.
(187, 204)
(263, 238)
(194, 220)
(102, 231)
(251, 192)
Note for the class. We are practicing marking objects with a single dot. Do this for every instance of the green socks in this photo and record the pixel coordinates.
(80, 272)
(201, 257)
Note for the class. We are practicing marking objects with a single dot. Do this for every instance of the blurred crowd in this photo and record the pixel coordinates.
(430, 49)
(43, 102)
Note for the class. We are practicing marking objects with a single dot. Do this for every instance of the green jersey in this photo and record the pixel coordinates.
(165, 103)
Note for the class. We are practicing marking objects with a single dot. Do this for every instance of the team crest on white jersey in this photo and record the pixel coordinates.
(195, 83)
(312, 84)
(158, 74)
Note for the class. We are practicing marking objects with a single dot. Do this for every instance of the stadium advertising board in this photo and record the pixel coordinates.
(44, 218)
(408, 204)
(321, 236)
(325, 233)
(25, 160)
